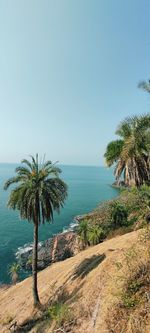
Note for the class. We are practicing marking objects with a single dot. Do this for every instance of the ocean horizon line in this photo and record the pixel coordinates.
(61, 164)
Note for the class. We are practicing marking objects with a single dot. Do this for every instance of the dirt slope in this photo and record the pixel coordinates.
(86, 281)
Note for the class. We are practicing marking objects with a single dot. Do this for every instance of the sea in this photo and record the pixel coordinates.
(88, 186)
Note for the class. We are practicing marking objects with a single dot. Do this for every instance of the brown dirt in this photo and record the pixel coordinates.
(85, 281)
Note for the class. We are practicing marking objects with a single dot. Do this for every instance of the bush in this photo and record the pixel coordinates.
(82, 231)
(131, 312)
(60, 313)
(14, 272)
(96, 235)
(119, 215)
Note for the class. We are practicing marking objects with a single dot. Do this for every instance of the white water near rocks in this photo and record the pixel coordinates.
(87, 187)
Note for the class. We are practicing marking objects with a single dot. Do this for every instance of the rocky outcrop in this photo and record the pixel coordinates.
(65, 246)
(60, 247)
(119, 184)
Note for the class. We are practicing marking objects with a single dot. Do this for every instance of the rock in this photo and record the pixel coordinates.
(119, 184)
(65, 246)
(60, 247)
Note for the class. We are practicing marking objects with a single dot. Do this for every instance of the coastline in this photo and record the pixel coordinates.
(46, 248)
(88, 187)
(58, 247)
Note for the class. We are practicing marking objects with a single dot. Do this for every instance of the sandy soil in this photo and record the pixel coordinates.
(86, 280)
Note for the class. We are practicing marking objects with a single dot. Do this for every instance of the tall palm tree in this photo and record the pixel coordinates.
(131, 153)
(38, 193)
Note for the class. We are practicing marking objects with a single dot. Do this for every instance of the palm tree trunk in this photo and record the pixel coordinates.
(34, 265)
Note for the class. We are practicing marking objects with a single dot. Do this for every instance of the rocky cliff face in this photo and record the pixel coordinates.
(60, 247)
(65, 246)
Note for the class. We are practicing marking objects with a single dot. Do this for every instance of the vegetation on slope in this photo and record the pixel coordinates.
(129, 211)
(131, 313)
(100, 289)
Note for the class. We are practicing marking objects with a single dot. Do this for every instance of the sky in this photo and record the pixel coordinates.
(69, 71)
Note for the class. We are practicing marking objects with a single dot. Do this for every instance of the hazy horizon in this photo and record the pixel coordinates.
(62, 164)
(69, 75)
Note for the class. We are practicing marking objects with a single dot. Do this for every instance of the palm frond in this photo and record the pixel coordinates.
(145, 85)
(113, 152)
(39, 191)
(13, 180)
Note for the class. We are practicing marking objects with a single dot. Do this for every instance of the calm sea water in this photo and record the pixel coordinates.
(88, 186)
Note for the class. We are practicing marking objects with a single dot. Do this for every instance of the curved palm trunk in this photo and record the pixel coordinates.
(136, 171)
(34, 265)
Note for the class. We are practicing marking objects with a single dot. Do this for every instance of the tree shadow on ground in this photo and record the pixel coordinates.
(61, 295)
(27, 325)
(87, 265)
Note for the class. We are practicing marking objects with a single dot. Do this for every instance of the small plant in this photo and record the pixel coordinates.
(60, 313)
(7, 320)
(29, 263)
(14, 272)
(129, 296)
(129, 301)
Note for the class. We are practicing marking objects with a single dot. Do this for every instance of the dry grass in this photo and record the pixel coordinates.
(85, 283)
(131, 313)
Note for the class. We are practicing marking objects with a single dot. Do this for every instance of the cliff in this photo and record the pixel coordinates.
(87, 283)
(57, 248)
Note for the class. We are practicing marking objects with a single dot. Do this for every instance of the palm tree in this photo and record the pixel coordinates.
(131, 153)
(119, 215)
(96, 234)
(145, 85)
(83, 229)
(38, 193)
(14, 271)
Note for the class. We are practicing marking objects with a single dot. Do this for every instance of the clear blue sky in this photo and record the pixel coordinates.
(69, 71)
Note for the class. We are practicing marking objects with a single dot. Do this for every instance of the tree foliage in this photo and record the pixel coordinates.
(119, 215)
(14, 272)
(131, 153)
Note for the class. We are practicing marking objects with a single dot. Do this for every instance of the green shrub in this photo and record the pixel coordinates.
(96, 234)
(129, 301)
(60, 313)
(14, 272)
(82, 231)
(119, 215)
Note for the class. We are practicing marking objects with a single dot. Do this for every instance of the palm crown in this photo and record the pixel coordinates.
(39, 190)
(131, 152)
